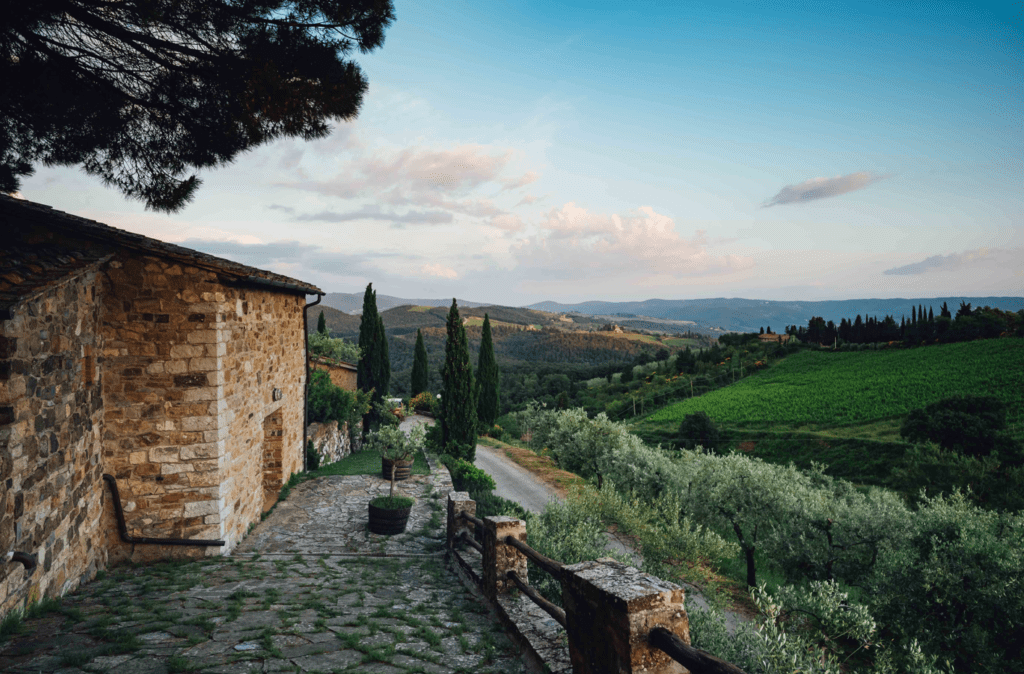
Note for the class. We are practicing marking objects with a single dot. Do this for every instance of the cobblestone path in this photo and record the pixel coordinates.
(310, 590)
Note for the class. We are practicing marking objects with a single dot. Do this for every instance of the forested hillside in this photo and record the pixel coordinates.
(533, 363)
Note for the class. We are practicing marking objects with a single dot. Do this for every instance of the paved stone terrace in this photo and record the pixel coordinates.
(310, 590)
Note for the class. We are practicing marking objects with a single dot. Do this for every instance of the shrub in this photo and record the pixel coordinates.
(392, 502)
(698, 429)
(335, 349)
(424, 403)
(955, 584)
(988, 481)
(467, 477)
(312, 456)
(490, 505)
(970, 424)
(328, 402)
(566, 532)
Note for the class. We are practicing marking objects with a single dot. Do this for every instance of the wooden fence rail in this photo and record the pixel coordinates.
(618, 620)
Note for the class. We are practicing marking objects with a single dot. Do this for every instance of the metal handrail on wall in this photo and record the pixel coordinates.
(122, 526)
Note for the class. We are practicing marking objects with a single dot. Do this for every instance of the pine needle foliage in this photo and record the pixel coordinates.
(419, 366)
(458, 405)
(374, 371)
(146, 93)
(488, 398)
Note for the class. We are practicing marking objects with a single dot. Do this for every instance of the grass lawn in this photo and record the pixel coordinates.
(365, 463)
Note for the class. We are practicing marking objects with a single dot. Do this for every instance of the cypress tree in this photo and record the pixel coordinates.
(374, 370)
(321, 324)
(367, 332)
(383, 360)
(419, 366)
(488, 400)
(458, 407)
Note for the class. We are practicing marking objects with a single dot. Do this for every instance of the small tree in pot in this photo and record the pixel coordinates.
(389, 514)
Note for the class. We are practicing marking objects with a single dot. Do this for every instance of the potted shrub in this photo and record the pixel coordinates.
(390, 514)
(396, 451)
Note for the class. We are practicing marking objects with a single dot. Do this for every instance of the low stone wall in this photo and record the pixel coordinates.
(330, 442)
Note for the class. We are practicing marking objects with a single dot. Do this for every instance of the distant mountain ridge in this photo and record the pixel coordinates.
(353, 302)
(744, 315)
(712, 316)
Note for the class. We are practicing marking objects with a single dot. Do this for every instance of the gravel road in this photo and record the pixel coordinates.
(514, 482)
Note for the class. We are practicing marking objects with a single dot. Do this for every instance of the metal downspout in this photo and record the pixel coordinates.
(305, 394)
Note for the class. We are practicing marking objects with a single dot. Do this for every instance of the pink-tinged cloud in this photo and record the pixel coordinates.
(529, 200)
(439, 270)
(638, 245)
(446, 180)
(527, 178)
(821, 188)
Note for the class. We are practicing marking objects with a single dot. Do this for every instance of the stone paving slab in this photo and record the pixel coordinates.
(310, 590)
(329, 516)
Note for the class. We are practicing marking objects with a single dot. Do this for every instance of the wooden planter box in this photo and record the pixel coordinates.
(403, 469)
(388, 522)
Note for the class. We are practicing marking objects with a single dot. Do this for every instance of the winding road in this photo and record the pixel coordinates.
(513, 481)
(520, 485)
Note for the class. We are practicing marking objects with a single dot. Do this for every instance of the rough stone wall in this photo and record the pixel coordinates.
(330, 442)
(190, 370)
(51, 415)
(264, 370)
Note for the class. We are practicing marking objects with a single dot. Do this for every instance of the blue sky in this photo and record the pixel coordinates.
(519, 152)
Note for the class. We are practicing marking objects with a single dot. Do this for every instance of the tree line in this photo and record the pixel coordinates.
(922, 327)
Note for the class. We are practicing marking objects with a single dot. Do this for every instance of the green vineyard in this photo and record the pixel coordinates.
(834, 389)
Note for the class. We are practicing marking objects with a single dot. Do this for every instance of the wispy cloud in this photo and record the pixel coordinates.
(969, 259)
(376, 213)
(439, 270)
(574, 242)
(445, 180)
(288, 256)
(529, 200)
(821, 188)
(527, 178)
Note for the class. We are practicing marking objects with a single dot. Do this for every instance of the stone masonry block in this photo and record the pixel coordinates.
(500, 557)
(186, 351)
(202, 337)
(610, 609)
(201, 508)
(202, 364)
(207, 450)
(164, 455)
(459, 502)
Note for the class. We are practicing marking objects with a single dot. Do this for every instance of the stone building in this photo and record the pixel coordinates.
(773, 337)
(179, 374)
(342, 374)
